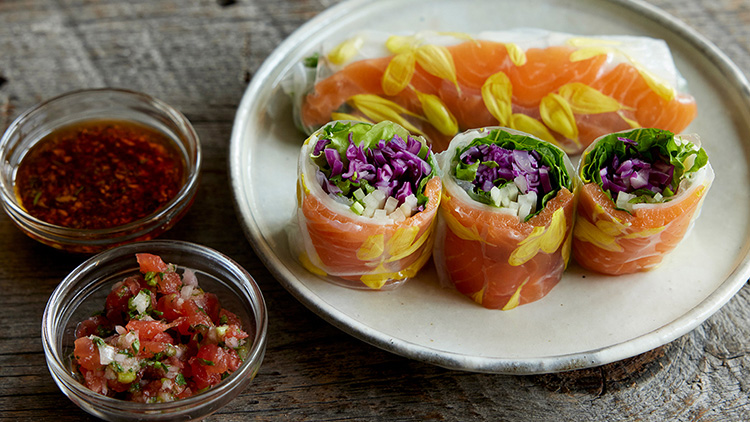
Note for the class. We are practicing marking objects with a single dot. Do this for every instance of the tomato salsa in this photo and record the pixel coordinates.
(159, 338)
(99, 174)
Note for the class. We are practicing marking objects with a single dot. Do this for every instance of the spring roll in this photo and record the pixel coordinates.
(642, 190)
(562, 88)
(367, 199)
(506, 216)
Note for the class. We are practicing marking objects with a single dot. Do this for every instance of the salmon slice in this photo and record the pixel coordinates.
(479, 244)
(615, 242)
(542, 72)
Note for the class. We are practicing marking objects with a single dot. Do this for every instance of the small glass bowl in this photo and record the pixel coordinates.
(97, 104)
(83, 292)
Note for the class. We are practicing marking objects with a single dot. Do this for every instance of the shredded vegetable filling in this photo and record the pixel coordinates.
(644, 166)
(509, 172)
(376, 170)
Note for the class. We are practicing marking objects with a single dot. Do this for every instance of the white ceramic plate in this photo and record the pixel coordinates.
(588, 319)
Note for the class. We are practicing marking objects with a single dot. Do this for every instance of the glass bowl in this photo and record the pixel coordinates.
(83, 292)
(91, 105)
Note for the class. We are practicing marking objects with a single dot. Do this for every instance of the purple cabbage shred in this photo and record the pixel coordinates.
(394, 166)
(510, 164)
(635, 173)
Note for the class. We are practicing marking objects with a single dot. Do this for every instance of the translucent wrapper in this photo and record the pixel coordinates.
(492, 256)
(612, 241)
(562, 88)
(352, 250)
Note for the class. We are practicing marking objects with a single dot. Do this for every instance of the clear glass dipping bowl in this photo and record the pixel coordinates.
(97, 104)
(83, 292)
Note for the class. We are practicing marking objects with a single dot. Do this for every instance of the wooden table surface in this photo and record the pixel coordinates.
(199, 55)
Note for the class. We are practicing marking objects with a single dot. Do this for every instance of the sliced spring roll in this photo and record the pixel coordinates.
(642, 190)
(562, 88)
(367, 200)
(506, 216)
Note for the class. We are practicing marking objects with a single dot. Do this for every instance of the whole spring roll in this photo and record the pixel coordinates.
(562, 88)
(506, 216)
(642, 190)
(367, 199)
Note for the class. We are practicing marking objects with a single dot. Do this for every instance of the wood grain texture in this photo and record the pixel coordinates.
(198, 56)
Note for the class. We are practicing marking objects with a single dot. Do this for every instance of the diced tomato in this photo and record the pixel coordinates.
(87, 353)
(97, 325)
(233, 359)
(170, 282)
(117, 386)
(151, 263)
(170, 306)
(186, 312)
(95, 380)
(149, 348)
(116, 305)
(211, 307)
(213, 358)
(228, 318)
(148, 330)
(200, 375)
(236, 332)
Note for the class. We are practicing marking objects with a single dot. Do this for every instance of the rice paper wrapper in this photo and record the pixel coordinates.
(352, 250)
(490, 255)
(563, 88)
(615, 242)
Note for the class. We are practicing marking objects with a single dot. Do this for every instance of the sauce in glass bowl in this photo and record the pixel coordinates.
(99, 174)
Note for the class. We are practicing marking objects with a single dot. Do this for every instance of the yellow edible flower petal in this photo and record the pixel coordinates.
(343, 52)
(478, 297)
(309, 266)
(645, 233)
(545, 238)
(398, 74)
(589, 52)
(497, 93)
(587, 232)
(658, 85)
(584, 99)
(437, 60)
(459, 229)
(377, 278)
(632, 123)
(555, 233)
(379, 109)
(566, 249)
(372, 249)
(398, 44)
(558, 116)
(532, 126)
(515, 300)
(400, 244)
(516, 54)
(347, 116)
(302, 187)
(437, 113)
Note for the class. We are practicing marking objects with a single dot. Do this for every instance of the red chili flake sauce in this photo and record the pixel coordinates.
(159, 338)
(99, 174)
